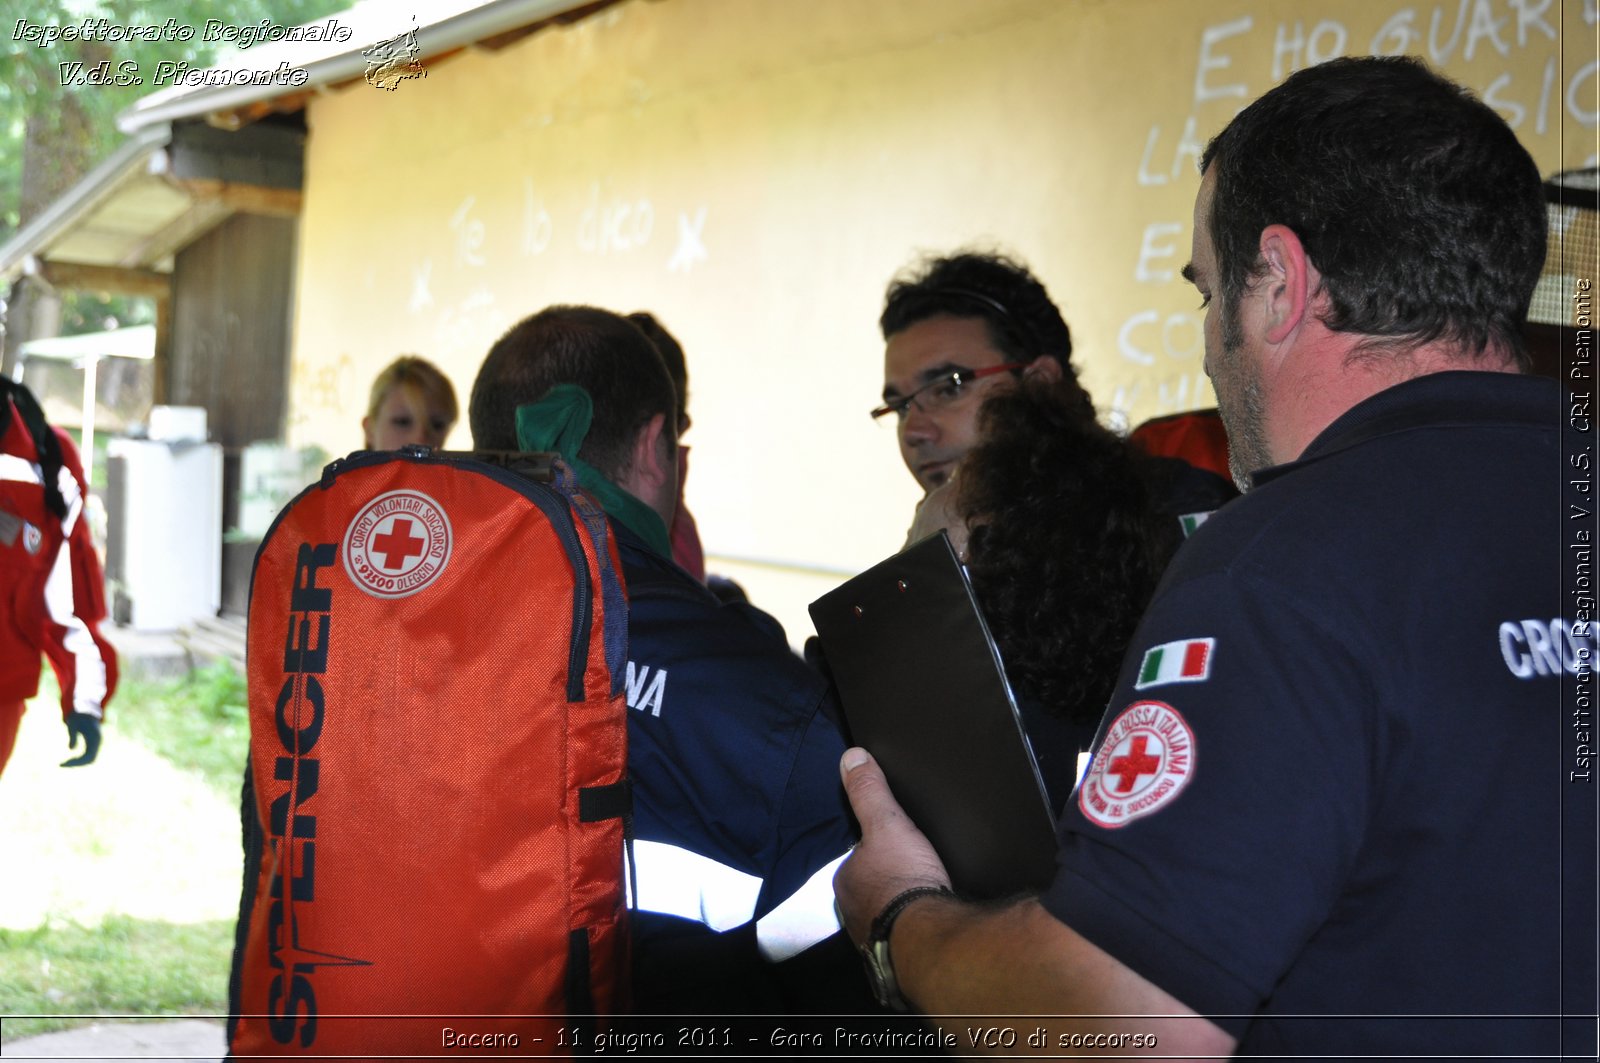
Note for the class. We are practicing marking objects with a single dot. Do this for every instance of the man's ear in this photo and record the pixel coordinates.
(1044, 367)
(366, 431)
(653, 463)
(1290, 285)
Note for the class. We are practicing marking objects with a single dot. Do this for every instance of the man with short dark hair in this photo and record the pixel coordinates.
(685, 534)
(1325, 816)
(959, 327)
(955, 327)
(739, 819)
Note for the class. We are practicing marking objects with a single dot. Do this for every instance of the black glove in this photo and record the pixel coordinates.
(82, 725)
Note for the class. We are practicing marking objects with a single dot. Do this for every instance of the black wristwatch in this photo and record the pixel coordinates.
(875, 950)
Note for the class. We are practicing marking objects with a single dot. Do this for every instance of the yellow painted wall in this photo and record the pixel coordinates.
(754, 171)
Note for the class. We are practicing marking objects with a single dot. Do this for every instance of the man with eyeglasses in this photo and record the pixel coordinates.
(955, 329)
(960, 327)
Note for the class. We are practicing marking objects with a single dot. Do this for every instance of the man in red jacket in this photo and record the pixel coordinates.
(52, 594)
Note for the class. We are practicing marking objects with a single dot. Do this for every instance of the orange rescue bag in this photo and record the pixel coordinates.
(435, 800)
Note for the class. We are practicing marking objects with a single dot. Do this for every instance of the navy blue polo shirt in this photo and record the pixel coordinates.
(1330, 782)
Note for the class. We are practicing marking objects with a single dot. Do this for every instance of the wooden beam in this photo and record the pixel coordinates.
(80, 276)
(246, 199)
(162, 362)
(187, 227)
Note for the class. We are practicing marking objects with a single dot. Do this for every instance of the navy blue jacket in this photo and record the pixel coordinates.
(739, 815)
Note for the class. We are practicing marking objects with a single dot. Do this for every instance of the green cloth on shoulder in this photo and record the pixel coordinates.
(560, 422)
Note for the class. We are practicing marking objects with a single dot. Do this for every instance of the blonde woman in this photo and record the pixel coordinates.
(412, 402)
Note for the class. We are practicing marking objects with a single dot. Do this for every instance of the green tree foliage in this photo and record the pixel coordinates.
(52, 130)
(55, 125)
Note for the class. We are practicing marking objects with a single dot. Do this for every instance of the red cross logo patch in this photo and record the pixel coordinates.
(398, 544)
(1144, 762)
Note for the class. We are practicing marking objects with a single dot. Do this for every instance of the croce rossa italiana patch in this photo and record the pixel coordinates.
(1145, 761)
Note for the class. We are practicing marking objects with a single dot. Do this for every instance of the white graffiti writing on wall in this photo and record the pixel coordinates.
(469, 234)
(1155, 339)
(421, 295)
(606, 224)
(537, 226)
(614, 224)
(691, 248)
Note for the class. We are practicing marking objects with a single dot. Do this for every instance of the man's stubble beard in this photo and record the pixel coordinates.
(1238, 387)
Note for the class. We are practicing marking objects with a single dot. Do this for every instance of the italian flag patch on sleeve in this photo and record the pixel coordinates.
(1187, 661)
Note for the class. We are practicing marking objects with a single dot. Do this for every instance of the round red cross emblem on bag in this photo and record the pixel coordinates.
(397, 545)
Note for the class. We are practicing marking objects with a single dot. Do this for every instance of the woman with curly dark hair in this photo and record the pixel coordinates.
(1065, 529)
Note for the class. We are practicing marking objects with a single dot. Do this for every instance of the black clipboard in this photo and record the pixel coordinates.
(923, 690)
